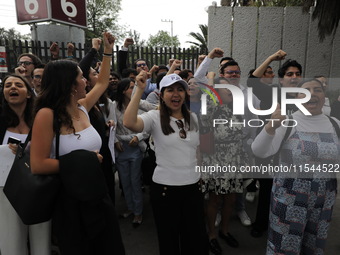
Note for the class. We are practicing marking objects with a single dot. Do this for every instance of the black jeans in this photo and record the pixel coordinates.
(179, 217)
(262, 212)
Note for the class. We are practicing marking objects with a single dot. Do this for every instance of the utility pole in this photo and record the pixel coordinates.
(172, 31)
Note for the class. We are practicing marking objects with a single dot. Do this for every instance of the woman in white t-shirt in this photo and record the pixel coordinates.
(176, 198)
(16, 120)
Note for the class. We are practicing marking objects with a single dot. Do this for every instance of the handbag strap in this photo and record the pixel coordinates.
(335, 125)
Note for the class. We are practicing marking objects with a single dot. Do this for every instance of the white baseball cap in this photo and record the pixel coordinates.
(170, 79)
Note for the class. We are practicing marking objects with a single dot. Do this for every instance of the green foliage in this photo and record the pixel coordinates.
(163, 39)
(12, 34)
(102, 16)
(201, 38)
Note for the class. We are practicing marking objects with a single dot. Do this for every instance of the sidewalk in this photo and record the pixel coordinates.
(143, 240)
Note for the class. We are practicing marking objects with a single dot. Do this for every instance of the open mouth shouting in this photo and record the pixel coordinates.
(13, 93)
(176, 102)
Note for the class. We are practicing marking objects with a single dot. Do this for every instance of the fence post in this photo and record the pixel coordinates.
(46, 53)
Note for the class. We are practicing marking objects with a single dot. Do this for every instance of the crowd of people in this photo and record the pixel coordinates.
(118, 114)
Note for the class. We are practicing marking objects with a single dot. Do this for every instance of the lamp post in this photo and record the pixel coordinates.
(172, 34)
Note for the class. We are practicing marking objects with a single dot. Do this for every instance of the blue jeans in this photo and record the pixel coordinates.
(128, 164)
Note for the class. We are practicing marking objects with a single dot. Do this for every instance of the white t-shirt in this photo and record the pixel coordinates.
(175, 157)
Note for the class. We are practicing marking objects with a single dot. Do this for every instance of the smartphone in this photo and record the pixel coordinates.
(14, 140)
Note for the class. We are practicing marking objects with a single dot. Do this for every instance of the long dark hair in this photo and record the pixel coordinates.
(122, 85)
(10, 117)
(165, 114)
(56, 88)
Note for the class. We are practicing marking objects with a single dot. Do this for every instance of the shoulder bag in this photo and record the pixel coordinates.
(33, 196)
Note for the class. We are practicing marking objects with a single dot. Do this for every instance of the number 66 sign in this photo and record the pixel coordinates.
(70, 12)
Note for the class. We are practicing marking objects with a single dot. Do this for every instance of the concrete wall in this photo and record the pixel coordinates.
(250, 34)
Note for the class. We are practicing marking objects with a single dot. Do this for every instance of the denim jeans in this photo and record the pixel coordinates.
(128, 164)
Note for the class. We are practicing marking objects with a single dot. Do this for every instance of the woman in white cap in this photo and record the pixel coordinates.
(176, 198)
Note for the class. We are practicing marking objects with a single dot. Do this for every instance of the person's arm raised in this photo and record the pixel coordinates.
(176, 63)
(279, 55)
(131, 119)
(103, 78)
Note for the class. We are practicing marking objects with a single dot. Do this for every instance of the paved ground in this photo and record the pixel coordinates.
(143, 240)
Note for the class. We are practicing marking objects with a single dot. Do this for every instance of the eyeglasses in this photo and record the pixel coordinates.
(182, 133)
(140, 65)
(290, 74)
(230, 72)
(38, 77)
(26, 63)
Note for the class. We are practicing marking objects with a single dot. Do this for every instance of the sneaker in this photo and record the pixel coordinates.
(244, 218)
(126, 214)
(137, 221)
(250, 196)
(218, 219)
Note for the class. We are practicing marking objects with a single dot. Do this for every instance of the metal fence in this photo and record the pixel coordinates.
(154, 56)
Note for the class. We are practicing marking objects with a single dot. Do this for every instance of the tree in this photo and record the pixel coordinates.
(102, 16)
(328, 14)
(202, 38)
(11, 34)
(163, 39)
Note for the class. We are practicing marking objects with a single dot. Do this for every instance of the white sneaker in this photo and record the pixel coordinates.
(250, 196)
(244, 218)
(218, 219)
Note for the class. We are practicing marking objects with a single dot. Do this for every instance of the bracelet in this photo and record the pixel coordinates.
(107, 54)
